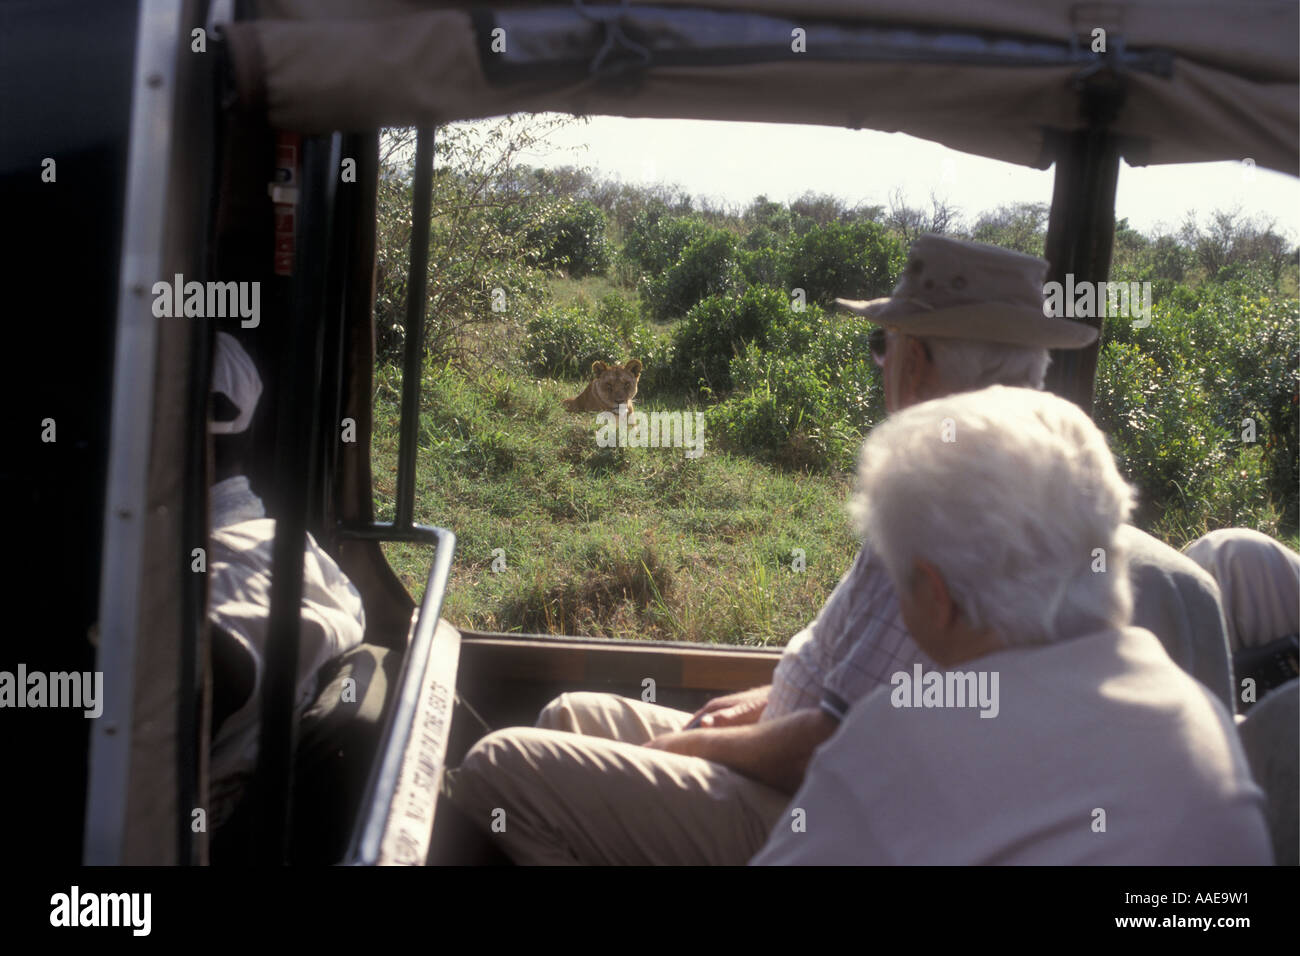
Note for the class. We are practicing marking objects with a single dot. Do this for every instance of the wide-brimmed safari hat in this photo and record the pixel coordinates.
(951, 288)
(234, 375)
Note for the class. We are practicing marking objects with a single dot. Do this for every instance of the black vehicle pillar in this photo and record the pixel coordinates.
(1081, 228)
(297, 406)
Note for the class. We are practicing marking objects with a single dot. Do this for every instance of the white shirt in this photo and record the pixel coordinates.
(1102, 731)
(239, 573)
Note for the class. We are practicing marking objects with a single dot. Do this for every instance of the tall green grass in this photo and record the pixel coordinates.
(629, 542)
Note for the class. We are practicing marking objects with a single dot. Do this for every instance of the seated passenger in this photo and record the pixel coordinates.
(964, 316)
(239, 597)
(1259, 579)
(1049, 732)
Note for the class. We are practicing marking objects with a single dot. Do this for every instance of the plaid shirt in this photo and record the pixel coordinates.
(856, 643)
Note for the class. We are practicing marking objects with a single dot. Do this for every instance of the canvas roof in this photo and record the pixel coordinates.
(1204, 79)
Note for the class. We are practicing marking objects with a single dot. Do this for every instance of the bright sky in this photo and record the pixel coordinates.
(734, 162)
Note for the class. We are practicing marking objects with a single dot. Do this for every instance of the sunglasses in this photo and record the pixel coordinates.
(877, 342)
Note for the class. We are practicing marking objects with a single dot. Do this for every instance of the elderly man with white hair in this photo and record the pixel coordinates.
(608, 779)
(997, 514)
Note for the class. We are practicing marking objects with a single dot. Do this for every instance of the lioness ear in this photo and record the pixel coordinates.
(598, 367)
(634, 366)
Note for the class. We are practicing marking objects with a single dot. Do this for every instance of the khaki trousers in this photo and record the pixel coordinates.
(1259, 581)
(579, 789)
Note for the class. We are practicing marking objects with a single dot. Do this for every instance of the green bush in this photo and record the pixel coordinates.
(763, 266)
(709, 265)
(1175, 397)
(718, 328)
(638, 340)
(766, 216)
(573, 239)
(558, 234)
(806, 395)
(761, 237)
(785, 412)
(1211, 358)
(1162, 429)
(1161, 260)
(838, 344)
(565, 341)
(856, 261)
(655, 241)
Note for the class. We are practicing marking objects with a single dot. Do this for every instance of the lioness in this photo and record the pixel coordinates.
(612, 386)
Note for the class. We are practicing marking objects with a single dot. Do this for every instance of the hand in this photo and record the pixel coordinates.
(734, 710)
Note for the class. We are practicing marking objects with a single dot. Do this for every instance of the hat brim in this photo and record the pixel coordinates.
(981, 322)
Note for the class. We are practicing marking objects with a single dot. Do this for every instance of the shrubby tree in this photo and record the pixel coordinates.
(1158, 259)
(656, 238)
(911, 222)
(806, 393)
(1231, 244)
(470, 253)
(817, 209)
(1172, 397)
(1021, 226)
(770, 218)
(716, 330)
(571, 237)
(709, 265)
(858, 261)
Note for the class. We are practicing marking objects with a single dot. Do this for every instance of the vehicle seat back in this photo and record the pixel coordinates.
(1178, 601)
(1270, 735)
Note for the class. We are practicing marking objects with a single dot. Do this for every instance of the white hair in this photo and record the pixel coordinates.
(965, 364)
(1008, 492)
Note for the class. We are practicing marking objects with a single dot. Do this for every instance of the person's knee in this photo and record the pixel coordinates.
(480, 773)
(507, 774)
(500, 749)
(563, 712)
(1220, 549)
(555, 714)
(490, 771)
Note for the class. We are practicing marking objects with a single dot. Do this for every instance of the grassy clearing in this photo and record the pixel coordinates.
(630, 543)
(646, 543)
(587, 290)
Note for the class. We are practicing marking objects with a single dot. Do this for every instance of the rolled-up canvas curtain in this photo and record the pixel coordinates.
(1208, 80)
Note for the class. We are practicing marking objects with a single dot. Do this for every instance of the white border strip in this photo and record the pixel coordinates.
(153, 94)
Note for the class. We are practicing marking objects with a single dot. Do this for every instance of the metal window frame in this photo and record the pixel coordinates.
(375, 820)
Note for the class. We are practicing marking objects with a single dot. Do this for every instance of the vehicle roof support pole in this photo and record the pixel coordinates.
(1081, 229)
(297, 409)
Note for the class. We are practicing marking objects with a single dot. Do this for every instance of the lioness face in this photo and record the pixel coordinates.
(616, 384)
